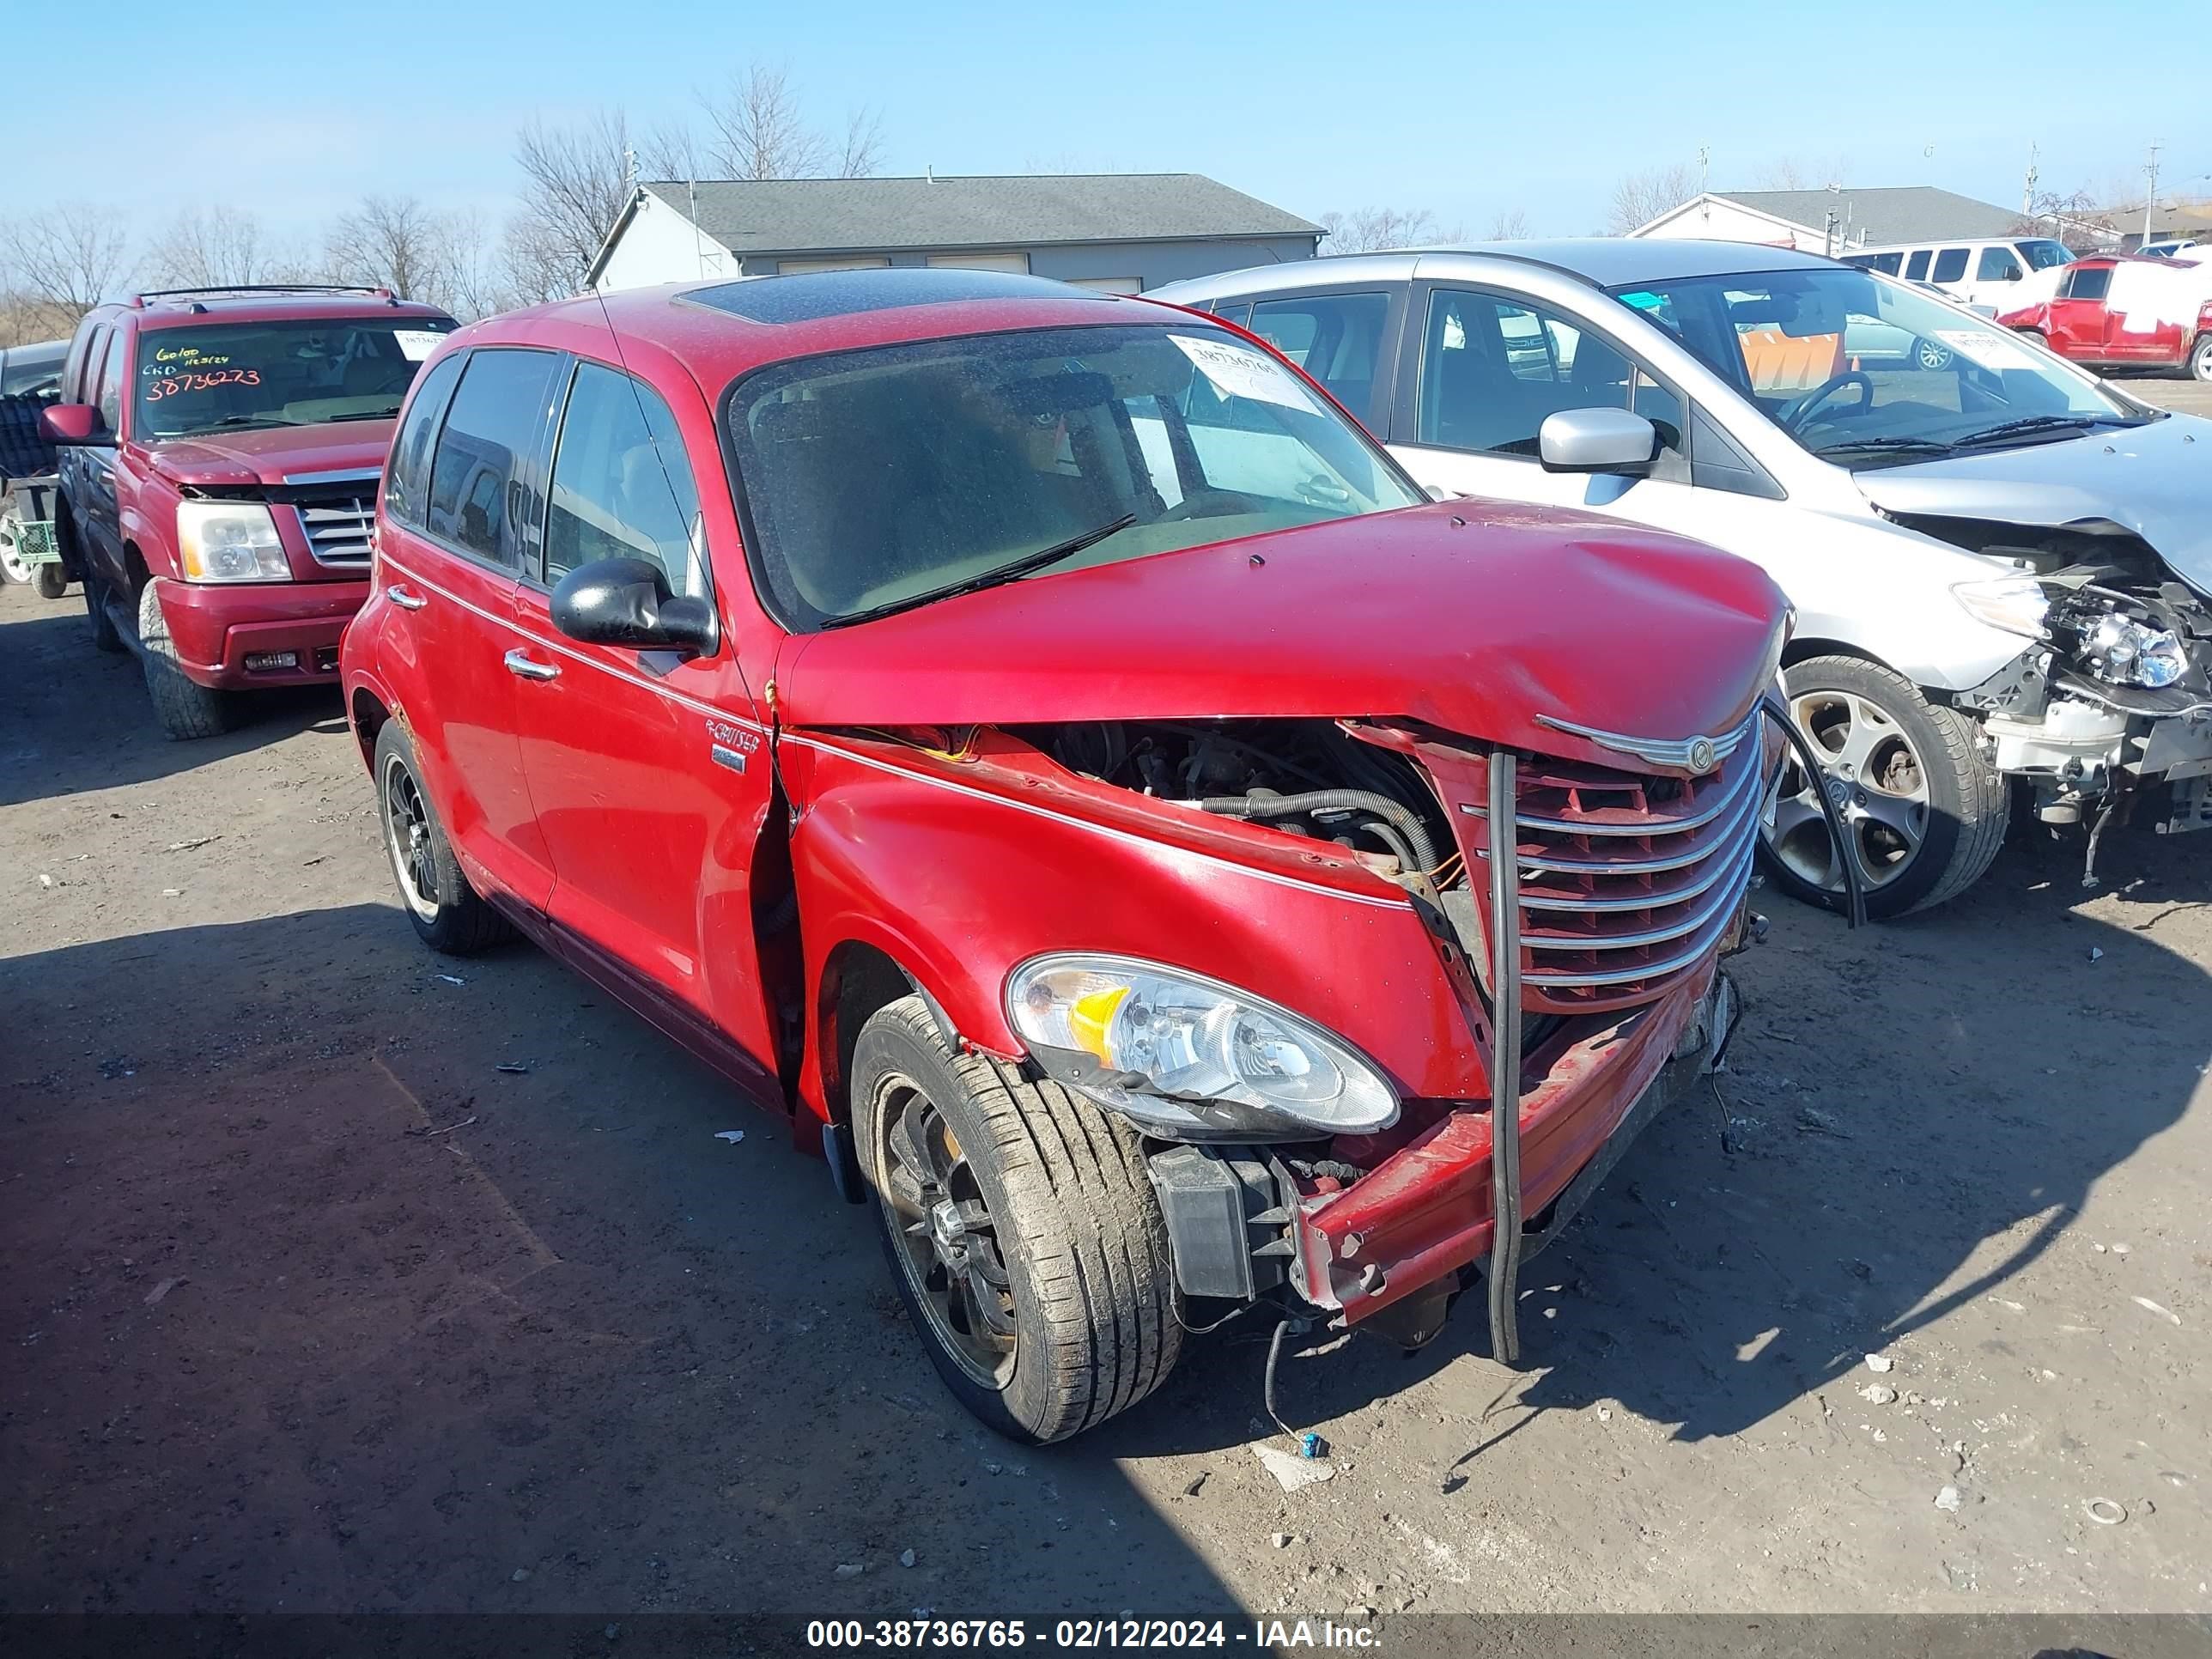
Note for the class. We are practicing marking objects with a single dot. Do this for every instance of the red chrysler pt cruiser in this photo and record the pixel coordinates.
(1038, 743)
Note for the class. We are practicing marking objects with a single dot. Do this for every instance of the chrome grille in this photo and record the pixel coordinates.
(338, 530)
(1628, 880)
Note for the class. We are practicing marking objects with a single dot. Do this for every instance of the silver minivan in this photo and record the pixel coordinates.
(2001, 566)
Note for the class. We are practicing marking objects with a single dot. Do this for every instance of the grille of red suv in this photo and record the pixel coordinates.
(1628, 879)
(337, 529)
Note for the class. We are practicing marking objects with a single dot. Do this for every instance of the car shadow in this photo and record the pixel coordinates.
(1914, 1114)
(314, 1305)
(48, 667)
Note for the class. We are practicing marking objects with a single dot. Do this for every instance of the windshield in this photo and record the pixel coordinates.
(2043, 253)
(1869, 372)
(879, 479)
(227, 376)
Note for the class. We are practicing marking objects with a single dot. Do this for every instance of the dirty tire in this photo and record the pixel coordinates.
(2200, 358)
(1968, 798)
(185, 708)
(449, 916)
(52, 581)
(1084, 1246)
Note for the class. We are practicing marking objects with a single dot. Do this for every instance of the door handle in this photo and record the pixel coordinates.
(405, 598)
(521, 663)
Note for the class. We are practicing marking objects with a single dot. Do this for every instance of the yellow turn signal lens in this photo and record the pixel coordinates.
(1092, 1014)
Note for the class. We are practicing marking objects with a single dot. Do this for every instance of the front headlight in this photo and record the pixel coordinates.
(2121, 651)
(1190, 1059)
(2015, 603)
(229, 542)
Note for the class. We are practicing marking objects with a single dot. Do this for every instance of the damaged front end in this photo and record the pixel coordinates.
(2110, 706)
(1603, 936)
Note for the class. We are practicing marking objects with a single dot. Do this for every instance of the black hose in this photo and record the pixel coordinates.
(1854, 900)
(1330, 800)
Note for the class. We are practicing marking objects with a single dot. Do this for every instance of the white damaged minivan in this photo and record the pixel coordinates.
(2001, 566)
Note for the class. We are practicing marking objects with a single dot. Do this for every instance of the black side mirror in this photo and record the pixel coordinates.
(627, 602)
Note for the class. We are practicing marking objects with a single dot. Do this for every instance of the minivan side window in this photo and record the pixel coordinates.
(1997, 266)
(1492, 369)
(490, 434)
(1917, 266)
(1950, 265)
(407, 479)
(622, 488)
(1335, 337)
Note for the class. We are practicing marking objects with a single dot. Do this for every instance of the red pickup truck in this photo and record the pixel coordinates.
(219, 453)
(2124, 312)
(1037, 741)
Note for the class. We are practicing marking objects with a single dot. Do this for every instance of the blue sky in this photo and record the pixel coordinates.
(292, 112)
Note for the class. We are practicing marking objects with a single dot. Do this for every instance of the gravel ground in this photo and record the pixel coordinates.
(309, 1306)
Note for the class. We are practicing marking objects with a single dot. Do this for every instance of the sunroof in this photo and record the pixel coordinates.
(846, 292)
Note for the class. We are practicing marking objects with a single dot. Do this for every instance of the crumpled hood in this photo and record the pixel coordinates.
(1476, 627)
(2155, 480)
(267, 455)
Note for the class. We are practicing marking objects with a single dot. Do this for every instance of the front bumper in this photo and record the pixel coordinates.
(233, 637)
(1424, 1213)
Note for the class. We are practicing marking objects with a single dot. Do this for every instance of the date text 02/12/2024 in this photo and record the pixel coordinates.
(925, 1632)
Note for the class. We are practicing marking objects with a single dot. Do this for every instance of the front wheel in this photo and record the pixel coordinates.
(186, 708)
(2200, 358)
(1025, 1235)
(52, 581)
(1924, 814)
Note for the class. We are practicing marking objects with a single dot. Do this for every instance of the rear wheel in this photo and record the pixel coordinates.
(186, 708)
(449, 916)
(1026, 1240)
(1923, 813)
(14, 567)
(2200, 358)
(52, 581)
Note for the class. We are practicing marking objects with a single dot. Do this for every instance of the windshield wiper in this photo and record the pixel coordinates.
(1854, 446)
(365, 415)
(2042, 423)
(1004, 574)
(234, 422)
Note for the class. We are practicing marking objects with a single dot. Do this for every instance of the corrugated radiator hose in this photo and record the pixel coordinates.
(1401, 817)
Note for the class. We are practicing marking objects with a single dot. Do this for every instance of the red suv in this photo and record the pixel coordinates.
(1038, 741)
(219, 452)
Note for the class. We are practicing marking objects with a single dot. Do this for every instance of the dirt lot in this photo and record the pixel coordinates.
(309, 1306)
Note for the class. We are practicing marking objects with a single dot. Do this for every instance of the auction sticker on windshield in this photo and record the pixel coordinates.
(1236, 372)
(417, 343)
(1989, 350)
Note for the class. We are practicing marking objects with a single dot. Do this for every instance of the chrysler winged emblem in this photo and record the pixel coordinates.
(1696, 756)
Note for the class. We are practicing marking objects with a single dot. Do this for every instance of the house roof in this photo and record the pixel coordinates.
(839, 215)
(1897, 213)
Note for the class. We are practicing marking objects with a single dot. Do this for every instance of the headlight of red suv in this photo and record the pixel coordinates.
(229, 542)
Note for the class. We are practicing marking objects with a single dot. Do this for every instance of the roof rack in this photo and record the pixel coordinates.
(222, 290)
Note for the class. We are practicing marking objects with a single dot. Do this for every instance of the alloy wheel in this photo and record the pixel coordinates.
(409, 838)
(1876, 780)
(948, 1242)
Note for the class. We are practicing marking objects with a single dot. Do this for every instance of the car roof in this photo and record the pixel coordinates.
(718, 330)
(190, 308)
(1603, 261)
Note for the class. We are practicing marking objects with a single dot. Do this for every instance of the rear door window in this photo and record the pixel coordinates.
(1950, 265)
(1916, 268)
(481, 495)
(622, 488)
(1335, 337)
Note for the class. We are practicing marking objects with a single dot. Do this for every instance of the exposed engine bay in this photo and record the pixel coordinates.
(2116, 696)
(1305, 778)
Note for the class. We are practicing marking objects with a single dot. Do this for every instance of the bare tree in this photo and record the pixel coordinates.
(757, 129)
(394, 242)
(1797, 172)
(1370, 230)
(1509, 226)
(1640, 197)
(534, 263)
(68, 258)
(2078, 220)
(219, 247)
(578, 181)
